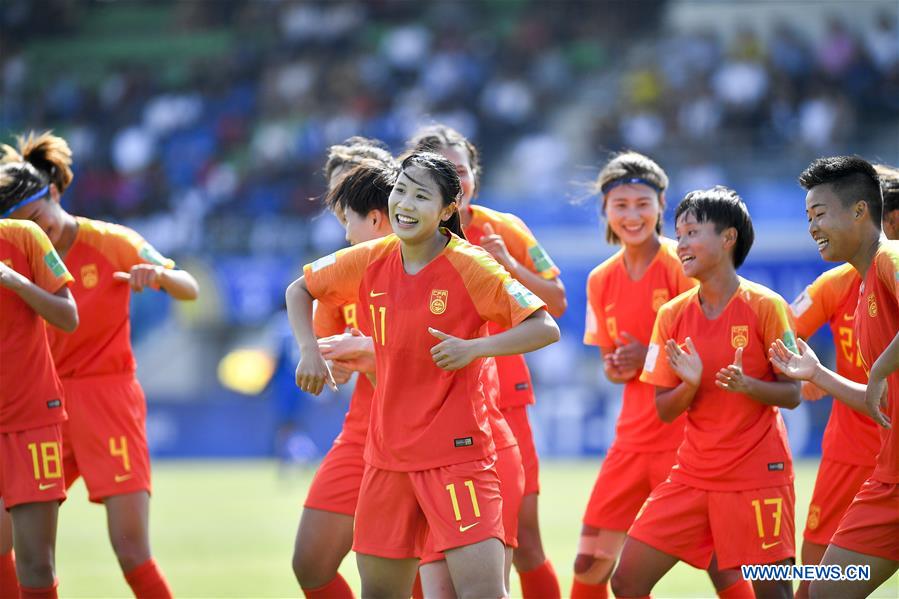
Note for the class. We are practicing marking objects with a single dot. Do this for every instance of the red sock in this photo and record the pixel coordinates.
(742, 589)
(417, 591)
(147, 581)
(44, 593)
(336, 589)
(582, 590)
(540, 583)
(9, 584)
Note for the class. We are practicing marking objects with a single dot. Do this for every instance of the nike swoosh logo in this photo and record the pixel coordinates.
(44, 487)
(609, 307)
(464, 528)
(373, 294)
(770, 545)
(848, 316)
(122, 477)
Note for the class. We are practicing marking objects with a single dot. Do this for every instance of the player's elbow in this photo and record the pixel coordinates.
(666, 413)
(793, 398)
(69, 318)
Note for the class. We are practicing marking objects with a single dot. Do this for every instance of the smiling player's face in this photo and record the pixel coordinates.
(416, 206)
(700, 248)
(831, 224)
(632, 212)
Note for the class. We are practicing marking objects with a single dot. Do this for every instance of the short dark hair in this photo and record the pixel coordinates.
(364, 188)
(723, 207)
(353, 150)
(444, 173)
(852, 178)
(889, 186)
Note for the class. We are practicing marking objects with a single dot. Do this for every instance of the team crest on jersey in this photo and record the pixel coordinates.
(739, 335)
(814, 516)
(89, 276)
(659, 297)
(872, 306)
(438, 301)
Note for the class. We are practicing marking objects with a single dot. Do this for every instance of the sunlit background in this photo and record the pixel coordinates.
(204, 125)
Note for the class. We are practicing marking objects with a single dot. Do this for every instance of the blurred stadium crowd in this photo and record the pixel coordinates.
(204, 125)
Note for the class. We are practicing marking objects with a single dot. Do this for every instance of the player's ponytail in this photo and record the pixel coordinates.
(50, 155)
(444, 174)
(454, 224)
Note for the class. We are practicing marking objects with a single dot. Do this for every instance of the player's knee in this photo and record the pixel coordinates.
(35, 569)
(131, 551)
(528, 556)
(483, 589)
(592, 569)
(625, 585)
(311, 570)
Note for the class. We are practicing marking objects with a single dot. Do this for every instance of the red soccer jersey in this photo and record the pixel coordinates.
(333, 320)
(850, 437)
(617, 304)
(423, 417)
(30, 391)
(877, 323)
(102, 342)
(731, 442)
(515, 378)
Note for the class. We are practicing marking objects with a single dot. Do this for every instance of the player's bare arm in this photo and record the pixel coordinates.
(805, 366)
(551, 291)
(536, 331)
(58, 308)
(783, 393)
(876, 391)
(672, 402)
(312, 371)
(180, 284)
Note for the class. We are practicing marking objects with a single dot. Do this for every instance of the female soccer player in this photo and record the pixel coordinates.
(730, 493)
(33, 286)
(844, 205)
(325, 533)
(429, 453)
(851, 440)
(105, 437)
(623, 295)
(356, 192)
(513, 245)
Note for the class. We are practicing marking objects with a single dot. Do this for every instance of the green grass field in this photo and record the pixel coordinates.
(226, 529)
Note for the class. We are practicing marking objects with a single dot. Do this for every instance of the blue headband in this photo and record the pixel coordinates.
(32, 198)
(628, 181)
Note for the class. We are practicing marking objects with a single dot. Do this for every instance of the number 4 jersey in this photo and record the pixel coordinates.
(422, 416)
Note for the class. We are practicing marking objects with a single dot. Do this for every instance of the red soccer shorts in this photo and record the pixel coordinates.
(871, 524)
(625, 481)
(835, 488)
(31, 468)
(105, 438)
(457, 505)
(511, 479)
(740, 527)
(335, 487)
(517, 417)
